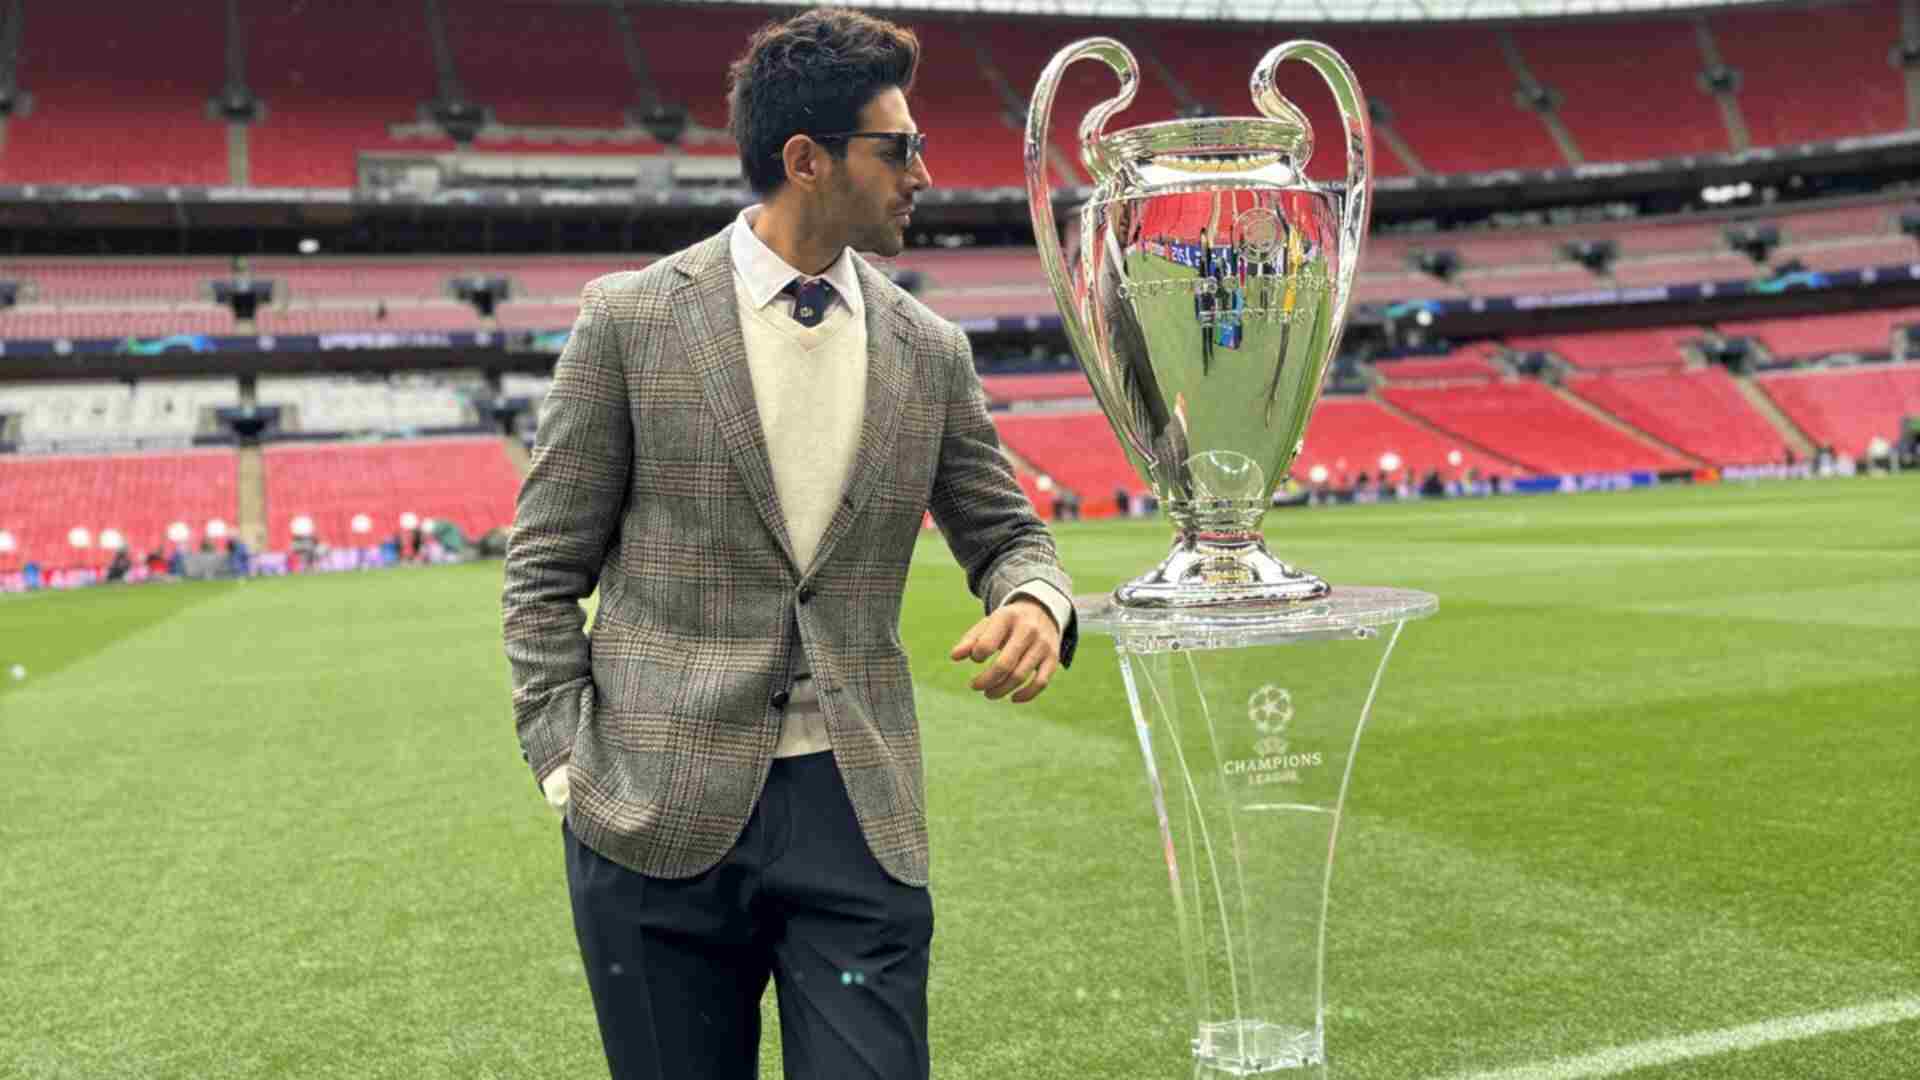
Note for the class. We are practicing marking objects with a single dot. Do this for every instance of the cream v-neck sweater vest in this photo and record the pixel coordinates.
(810, 388)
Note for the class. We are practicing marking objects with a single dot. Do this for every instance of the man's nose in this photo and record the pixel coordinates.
(920, 175)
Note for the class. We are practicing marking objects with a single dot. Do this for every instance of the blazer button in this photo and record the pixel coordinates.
(780, 700)
(806, 593)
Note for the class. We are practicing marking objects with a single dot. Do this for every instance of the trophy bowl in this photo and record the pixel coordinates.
(1205, 299)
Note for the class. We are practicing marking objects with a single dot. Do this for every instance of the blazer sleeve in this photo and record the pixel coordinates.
(566, 519)
(988, 523)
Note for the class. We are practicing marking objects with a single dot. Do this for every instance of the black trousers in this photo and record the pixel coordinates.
(678, 967)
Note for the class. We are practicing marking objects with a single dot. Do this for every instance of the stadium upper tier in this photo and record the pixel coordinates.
(565, 78)
(85, 297)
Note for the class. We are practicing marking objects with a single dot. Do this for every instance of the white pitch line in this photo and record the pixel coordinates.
(1619, 1059)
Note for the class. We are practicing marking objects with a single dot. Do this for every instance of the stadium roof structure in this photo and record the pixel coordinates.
(1294, 11)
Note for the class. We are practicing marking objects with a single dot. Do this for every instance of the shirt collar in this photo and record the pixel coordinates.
(764, 273)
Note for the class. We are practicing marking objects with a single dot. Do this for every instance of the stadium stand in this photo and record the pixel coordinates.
(1849, 252)
(1472, 365)
(1614, 350)
(1349, 435)
(1692, 266)
(1786, 100)
(367, 317)
(326, 404)
(1701, 412)
(101, 414)
(44, 497)
(139, 116)
(111, 280)
(1652, 108)
(1464, 120)
(31, 321)
(1525, 422)
(1865, 332)
(975, 138)
(538, 65)
(687, 52)
(537, 316)
(322, 112)
(1053, 386)
(542, 64)
(1221, 85)
(1077, 450)
(1848, 407)
(1021, 49)
(116, 297)
(332, 483)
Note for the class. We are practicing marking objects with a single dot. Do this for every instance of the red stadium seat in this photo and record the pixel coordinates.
(1475, 365)
(1846, 408)
(43, 497)
(1824, 335)
(1701, 412)
(1787, 100)
(467, 481)
(1078, 450)
(1527, 423)
(1608, 350)
(1349, 435)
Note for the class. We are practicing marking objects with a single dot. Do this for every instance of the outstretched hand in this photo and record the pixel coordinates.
(1023, 643)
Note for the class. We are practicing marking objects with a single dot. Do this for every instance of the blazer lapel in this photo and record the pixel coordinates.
(889, 352)
(708, 320)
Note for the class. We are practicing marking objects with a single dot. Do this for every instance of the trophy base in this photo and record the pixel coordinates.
(1236, 1048)
(1203, 571)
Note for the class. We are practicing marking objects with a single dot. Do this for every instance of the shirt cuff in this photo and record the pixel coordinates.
(1050, 597)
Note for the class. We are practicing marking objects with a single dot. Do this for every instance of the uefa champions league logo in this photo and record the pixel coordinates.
(1271, 710)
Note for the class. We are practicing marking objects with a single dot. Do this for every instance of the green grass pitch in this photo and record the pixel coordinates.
(1651, 772)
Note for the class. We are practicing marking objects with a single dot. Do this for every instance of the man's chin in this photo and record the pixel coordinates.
(885, 242)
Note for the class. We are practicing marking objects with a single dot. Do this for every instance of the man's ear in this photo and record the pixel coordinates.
(805, 162)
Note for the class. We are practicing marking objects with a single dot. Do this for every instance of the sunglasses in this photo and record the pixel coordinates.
(904, 147)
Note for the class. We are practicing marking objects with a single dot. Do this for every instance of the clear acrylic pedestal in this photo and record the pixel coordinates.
(1248, 721)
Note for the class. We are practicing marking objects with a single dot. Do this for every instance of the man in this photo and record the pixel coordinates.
(738, 449)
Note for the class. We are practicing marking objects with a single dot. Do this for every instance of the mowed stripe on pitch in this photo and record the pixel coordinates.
(1619, 1059)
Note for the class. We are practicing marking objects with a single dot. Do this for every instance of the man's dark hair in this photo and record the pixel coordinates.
(811, 75)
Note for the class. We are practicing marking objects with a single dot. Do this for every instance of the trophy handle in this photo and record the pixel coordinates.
(1353, 115)
(1040, 196)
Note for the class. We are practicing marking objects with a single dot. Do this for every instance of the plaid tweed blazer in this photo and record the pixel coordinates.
(650, 479)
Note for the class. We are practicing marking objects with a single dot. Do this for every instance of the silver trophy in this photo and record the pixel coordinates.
(1206, 297)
